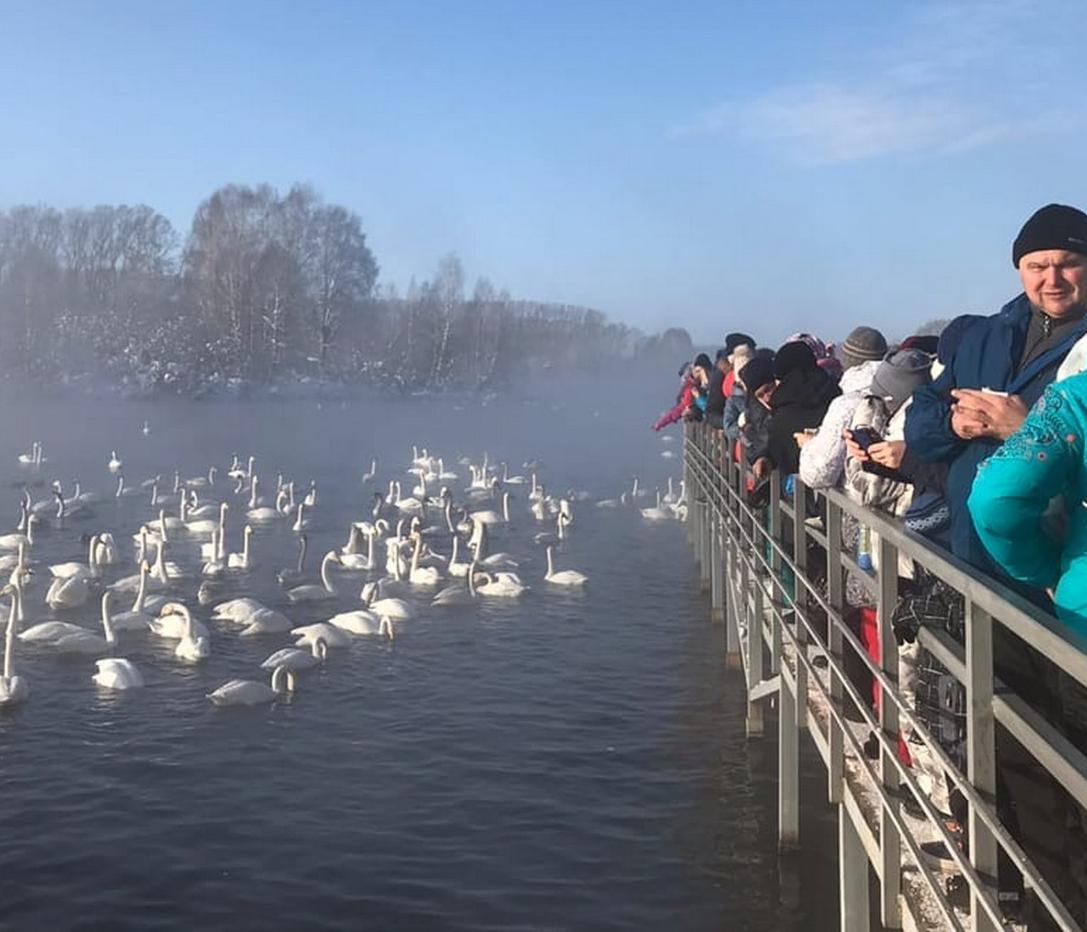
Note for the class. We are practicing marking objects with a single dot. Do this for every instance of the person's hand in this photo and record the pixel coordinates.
(982, 414)
(888, 453)
(854, 450)
(760, 467)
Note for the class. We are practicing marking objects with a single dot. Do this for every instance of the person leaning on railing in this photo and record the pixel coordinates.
(1003, 365)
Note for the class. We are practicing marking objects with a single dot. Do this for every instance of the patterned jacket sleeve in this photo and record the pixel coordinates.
(1013, 489)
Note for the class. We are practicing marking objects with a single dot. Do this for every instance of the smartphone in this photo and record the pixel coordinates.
(864, 437)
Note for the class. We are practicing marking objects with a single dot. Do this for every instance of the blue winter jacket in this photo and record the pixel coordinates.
(1013, 489)
(987, 357)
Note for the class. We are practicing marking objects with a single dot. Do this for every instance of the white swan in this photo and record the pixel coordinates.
(422, 575)
(13, 688)
(293, 575)
(295, 658)
(313, 592)
(350, 559)
(493, 517)
(372, 474)
(115, 462)
(657, 513)
(117, 673)
(262, 514)
(214, 566)
(236, 610)
(265, 621)
(362, 622)
(332, 635)
(68, 570)
(19, 538)
(192, 646)
(458, 569)
(301, 522)
(175, 624)
(205, 527)
(379, 604)
(87, 642)
(68, 593)
(457, 594)
(563, 577)
(248, 692)
(243, 560)
(500, 585)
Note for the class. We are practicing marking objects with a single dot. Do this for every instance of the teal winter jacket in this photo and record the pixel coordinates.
(1013, 490)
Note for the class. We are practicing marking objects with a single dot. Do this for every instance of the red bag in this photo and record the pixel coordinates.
(870, 640)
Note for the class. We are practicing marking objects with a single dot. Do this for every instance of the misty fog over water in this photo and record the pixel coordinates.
(567, 760)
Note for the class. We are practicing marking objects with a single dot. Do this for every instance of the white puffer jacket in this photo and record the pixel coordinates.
(822, 459)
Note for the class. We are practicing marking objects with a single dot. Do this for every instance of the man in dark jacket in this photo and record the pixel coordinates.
(984, 394)
(800, 400)
(1001, 367)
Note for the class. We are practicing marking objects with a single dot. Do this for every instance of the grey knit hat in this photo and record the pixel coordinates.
(900, 375)
(864, 344)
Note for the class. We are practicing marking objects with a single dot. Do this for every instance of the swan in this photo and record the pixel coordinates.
(301, 522)
(351, 560)
(295, 658)
(124, 491)
(445, 475)
(19, 538)
(501, 585)
(87, 642)
(236, 610)
(146, 429)
(117, 673)
(636, 491)
(493, 517)
(242, 561)
(115, 462)
(310, 501)
(549, 538)
(165, 571)
(192, 647)
(292, 576)
(68, 593)
(174, 624)
(619, 502)
(362, 622)
(564, 577)
(332, 635)
(10, 561)
(368, 477)
(539, 507)
(669, 497)
(203, 482)
(31, 458)
(265, 621)
(137, 619)
(657, 513)
(70, 570)
(13, 688)
(248, 692)
(236, 472)
(205, 527)
(422, 575)
(455, 568)
(396, 609)
(214, 567)
(457, 594)
(507, 479)
(313, 592)
(105, 553)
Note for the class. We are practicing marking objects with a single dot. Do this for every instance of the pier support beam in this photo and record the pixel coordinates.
(852, 877)
(788, 767)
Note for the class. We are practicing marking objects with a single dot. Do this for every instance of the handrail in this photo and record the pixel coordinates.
(761, 574)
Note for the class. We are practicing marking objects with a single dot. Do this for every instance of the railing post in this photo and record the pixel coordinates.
(980, 752)
(890, 844)
(755, 667)
(800, 596)
(705, 512)
(852, 876)
(777, 583)
(732, 631)
(717, 590)
(835, 740)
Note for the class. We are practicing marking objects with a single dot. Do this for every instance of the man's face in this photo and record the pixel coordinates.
(1055, 280)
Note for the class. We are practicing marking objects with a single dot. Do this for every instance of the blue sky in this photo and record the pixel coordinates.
(770, 166)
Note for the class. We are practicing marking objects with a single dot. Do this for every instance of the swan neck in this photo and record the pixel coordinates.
(326, 580)
(106, 625)
(9, 640)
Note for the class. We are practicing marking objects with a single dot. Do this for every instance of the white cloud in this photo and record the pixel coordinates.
(947, 83)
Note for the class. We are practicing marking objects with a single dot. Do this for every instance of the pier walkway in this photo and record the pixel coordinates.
(783, 624)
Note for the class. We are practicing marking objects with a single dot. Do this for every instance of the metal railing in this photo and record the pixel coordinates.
(779, 618)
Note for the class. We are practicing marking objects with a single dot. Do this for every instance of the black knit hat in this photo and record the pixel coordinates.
(757, 373)
(1055, 226)
(737, 339)
(793, 357)
(703, 361)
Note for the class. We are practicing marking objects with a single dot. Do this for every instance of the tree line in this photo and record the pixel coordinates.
(265, 288)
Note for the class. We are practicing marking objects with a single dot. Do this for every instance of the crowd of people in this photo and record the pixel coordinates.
(975, 439)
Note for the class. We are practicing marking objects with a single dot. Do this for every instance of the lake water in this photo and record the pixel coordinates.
(563, 761)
